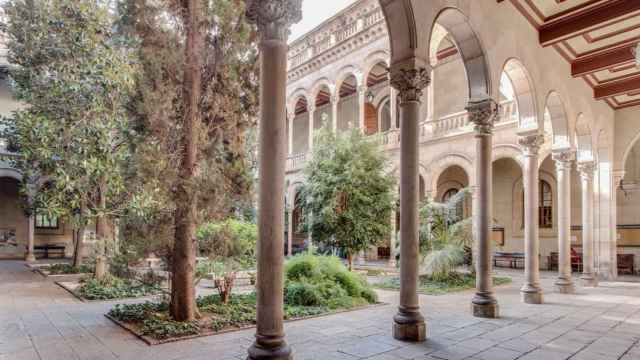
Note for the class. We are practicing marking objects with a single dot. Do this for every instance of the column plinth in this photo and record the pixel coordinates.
(483, 114)
(409, 324)
(531, 291)
(564, 282)
(273, 18)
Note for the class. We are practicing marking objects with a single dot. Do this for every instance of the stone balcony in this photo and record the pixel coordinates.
(449, 126)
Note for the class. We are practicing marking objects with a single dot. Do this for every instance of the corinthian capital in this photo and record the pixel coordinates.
(587, 169)
(564, 159)
(531, 144)
(274, 17)
(410, 82)
(483, 113)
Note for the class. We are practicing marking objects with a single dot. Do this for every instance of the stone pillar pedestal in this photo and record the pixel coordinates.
(409, 80)
(588, 277)
(563, 159)
(30, 256)
(531, 291)
(483, 114)
(273, 18)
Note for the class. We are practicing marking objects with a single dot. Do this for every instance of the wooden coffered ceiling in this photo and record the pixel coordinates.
(596, 37)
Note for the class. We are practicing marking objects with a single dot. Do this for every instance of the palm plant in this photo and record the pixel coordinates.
(445, 237)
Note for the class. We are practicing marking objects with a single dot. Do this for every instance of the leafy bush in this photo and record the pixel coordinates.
(228, 239)
(162, 329)
(137, 312)
(438, 285)
(67, 269)
(112, 287)
(323, 281)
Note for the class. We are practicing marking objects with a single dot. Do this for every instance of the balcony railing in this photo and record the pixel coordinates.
(446, 126)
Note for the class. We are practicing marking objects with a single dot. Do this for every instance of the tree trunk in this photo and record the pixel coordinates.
(101, 233)
(350, 261)
(183, 305)
(78, 256)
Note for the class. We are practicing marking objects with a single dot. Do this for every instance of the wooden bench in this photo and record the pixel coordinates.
(625, 264)
(50, 248)
(513, 259)
(576, 261)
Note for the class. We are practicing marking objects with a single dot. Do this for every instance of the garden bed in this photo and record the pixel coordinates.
(94, 291)
(454, 283)
(150, 321)
(63, 271)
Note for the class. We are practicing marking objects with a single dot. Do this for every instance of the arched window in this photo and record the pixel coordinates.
(545, 205)
(448, 195)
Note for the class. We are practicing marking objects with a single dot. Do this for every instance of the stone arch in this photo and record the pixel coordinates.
(410, 39)
(345, 72)
(319, 84)
(11, 173)
(373, 59)
(508, 151)
(603, 144)
(583, 138)
(295, 96)
(524, 94)
(556, 116)
(438, 166)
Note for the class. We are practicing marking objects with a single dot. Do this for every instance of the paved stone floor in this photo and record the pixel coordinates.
(39, 320)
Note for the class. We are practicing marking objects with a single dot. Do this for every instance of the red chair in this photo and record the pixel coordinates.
(576, 260)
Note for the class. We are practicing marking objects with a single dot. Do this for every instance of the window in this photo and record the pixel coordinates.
(545, 205)
(44, 221)
(447, 196)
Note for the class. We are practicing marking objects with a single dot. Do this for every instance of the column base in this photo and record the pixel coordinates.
(489, 311)
(564, 286)
(588, 281)
(30, 257)
(532, 297)
(260, 352)
(409, 327)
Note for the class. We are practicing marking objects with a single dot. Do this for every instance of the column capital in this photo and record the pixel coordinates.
(563, 159)
(531, 144)
(311, 108)
(483, 113)
(587, 169)
(274, 17)
(334, 99)
(410, 82)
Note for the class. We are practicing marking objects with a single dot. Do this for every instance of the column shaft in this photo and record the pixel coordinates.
(564, 283)
(531, 291)
(362, 91)
(588, 277)
(31, 255)
(312, 111)
(392, 241)
(335, 100)
(290, 230)
(483, 113)
(290, 118)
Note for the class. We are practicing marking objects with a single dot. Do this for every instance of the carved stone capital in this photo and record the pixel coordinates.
(274, 17)
(483, 114)
(410, 83)
(564, 159)
(587, 169)
(531, 144)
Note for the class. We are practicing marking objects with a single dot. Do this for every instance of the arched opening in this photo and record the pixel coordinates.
(453, 179)
(13, 223)
(627, 199)
(348, 103)
(377, 84)
(517, 96)
(322, 114)
(300, 236)
(300, 124)
(448, 92)
(556, 116)
(508, 200)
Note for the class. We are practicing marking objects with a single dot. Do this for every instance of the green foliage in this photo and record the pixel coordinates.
(453, 282)
(347, 194)
(73, 131)
(228, 239)
(445, 238)
(323, 281)
(67, 269)
(162, 329)
(137, 312)
(115, 288)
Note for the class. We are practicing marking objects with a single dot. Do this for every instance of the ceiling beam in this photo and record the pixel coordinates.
(602, 60)
(616, 88)
(582, 20)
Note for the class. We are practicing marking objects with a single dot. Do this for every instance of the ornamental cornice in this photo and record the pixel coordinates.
(274, 17)
(483, 113)
(410, 82)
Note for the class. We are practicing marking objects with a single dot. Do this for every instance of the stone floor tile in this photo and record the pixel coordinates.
(496, 353)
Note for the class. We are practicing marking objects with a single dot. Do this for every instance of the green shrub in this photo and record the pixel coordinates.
(302, 294)
(137, 312)
(228, 239)
(115, 288)
(163, 329)
(67, 269)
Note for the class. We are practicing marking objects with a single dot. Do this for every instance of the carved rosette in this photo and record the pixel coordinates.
(564, 159)
(531, 144)
(483, 114)
(274, 17)
(587, 169)
(410, 83)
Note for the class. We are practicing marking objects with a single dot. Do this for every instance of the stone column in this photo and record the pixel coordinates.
(311, 109)
(483, 113)
(362, 91)
(531, 290)
(30, 256)
(393, 105)
(290, 229)
(409, 324)
(273, 18)
(588, 277)
(291, 115)
(564, 159)
(392, 241)
(335, 100)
